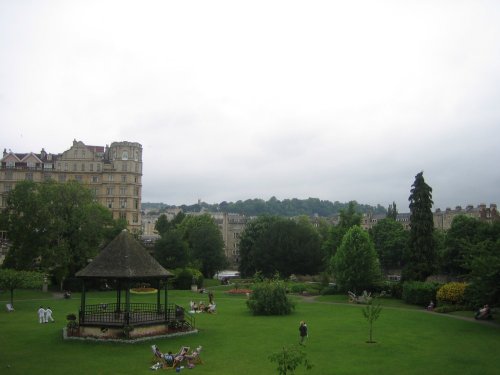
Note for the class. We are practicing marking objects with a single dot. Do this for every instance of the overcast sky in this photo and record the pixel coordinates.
(337, 100)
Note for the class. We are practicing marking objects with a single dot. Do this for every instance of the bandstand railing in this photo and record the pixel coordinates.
(114, 314)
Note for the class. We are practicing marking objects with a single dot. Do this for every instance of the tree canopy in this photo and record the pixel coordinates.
(420, 259)
(355, 265)
(55, 227)
(271, 244)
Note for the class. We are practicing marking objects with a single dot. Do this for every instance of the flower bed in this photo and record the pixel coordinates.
(143, 290)
(239, 291)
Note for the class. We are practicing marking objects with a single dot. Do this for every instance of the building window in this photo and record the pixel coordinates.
(7, 188)
(110, 190)
(98, 167)
(75, 167)
(83, 167)
(79, 178)
(95, 179)
(124, 178)
(123, 202)
(95, 192)
(9, 175)
(29, 176)
(123, 215)
(47, 177)
(135, 218)
(31, 165)
(62, 177)
(136, 191)
(65, 166)
(110, 177)
(91, 167)
(123, 190)
(11, 164)
(109, 202)
(124, 155)
(124, 167)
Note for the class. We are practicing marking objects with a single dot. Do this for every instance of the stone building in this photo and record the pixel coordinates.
(230, 225)
(113, 174)
(443, 219)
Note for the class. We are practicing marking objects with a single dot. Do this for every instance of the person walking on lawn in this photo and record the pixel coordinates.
(303, 332)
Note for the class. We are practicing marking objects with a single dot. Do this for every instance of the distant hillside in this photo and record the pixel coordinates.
(286, 207)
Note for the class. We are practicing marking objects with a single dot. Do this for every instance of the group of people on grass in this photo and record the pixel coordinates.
(44, 315)
(201, 307)
(174, 360)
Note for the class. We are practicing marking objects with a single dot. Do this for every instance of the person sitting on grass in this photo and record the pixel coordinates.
(483, 313)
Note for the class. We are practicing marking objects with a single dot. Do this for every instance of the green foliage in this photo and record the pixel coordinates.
(12, 279)
(451, 293)
(348, 218)
(390, 240)
(272, 244)
(355, 265)
(371, 312)
(54, 227)
(206, 246)
(287, 207)
(421, 255)
(288, 359)
(269, 298)
(484, 275)
(392, 211)
(419, 292)
(171, 251)
(184, 278)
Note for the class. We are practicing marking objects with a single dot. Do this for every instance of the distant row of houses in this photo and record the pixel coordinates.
(232, 225)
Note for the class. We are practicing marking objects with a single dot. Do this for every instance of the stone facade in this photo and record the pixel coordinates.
(113, 174)
(443, 219)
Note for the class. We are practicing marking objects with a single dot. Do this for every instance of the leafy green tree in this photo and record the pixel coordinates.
(162, 225)
(12, 279)
(206, 246)
(355, 265)
(390, 240)
(420, 259)
(288, 359)
(348, 218)
(465, 232)
(54, 227)
(392, 211)
(484, 274)
(171, 251)
(276, 244)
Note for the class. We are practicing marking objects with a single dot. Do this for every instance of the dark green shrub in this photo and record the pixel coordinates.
(184, 278)
(269, 298)
(419, 292)
(297, 288)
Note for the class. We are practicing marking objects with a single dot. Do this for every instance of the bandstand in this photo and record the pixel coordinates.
(127, 263)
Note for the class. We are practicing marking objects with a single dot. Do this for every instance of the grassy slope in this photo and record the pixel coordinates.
(409, 341)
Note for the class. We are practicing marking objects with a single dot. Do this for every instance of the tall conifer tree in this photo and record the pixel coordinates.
(421, 255)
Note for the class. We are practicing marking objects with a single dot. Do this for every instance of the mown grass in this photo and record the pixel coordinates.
(409, 340)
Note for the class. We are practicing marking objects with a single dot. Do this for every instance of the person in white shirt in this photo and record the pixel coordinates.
(48, 315)
(41, 315)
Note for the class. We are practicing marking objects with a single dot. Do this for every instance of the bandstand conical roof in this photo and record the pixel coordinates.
(124, 258)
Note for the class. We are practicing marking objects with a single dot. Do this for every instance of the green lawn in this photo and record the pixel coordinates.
(409, 340)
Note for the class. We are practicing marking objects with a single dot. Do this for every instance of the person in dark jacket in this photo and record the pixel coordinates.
(303, 332)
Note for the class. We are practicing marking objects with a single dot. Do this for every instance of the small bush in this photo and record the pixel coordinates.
(331, 289)
(451, 293)
(269, 298)
(419, 292)
(297, 288)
